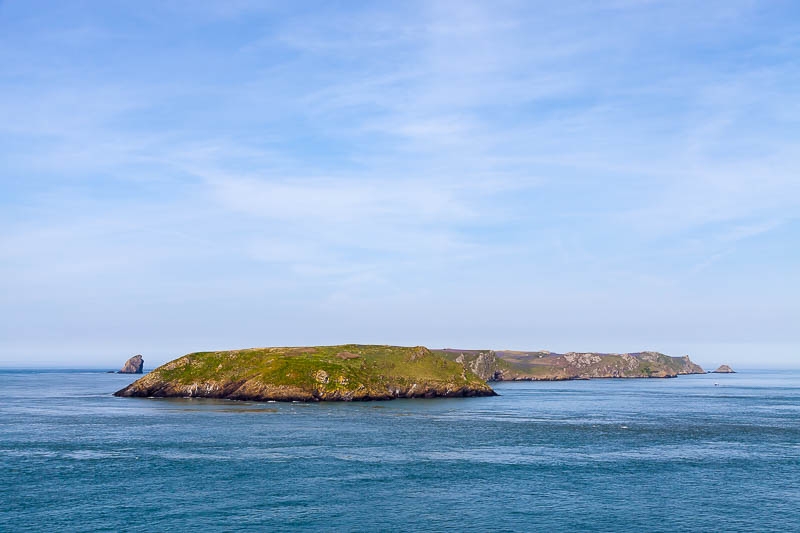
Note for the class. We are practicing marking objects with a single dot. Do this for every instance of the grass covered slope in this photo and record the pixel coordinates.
(543, 365)
(347, 372)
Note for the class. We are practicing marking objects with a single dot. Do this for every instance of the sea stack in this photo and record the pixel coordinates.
(724, 369)
(134, 365)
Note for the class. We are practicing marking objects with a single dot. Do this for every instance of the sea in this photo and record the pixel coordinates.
(695, 453)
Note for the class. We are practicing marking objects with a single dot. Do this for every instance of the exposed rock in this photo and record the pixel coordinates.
(418, 352)
(582, 360)
(484, 365)
(724, 369)
(134, 365)
(689, 367)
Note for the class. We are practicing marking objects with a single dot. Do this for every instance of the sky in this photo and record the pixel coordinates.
(573, 176)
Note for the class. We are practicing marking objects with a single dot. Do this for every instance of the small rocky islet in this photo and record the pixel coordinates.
(377, 372)
(543, 365)
(134, 365)
(724, 369)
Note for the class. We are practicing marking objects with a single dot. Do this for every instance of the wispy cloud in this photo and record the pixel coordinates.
(580, 156)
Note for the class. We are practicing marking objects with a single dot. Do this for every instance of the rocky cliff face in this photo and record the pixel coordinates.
(134, 365)
(482, 363)
(544, 365)
(688, 367)
(321, 373)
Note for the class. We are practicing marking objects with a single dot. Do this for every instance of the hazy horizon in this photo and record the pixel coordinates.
(741, 359)
(515, 175)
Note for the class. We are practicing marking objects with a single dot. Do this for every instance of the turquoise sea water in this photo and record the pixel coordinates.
(603, 455)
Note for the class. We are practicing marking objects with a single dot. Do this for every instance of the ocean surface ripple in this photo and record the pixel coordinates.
(695, 453)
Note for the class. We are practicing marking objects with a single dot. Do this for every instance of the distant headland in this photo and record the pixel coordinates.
(543, 365)
(379, 372)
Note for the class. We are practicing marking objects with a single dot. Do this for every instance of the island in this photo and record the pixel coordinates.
(543, 365)
(724, 369)
(309, 374)
(379, 372)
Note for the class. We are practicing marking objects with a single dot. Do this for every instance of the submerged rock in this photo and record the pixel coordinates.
(724, 369)
(134, 365)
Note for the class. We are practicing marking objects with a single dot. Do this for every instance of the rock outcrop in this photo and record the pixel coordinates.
(134, 365)
(482, 363)
(724, 369)
(308, 374)
(549, 366)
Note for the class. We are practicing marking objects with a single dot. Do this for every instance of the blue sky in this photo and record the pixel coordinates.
(609, 176)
